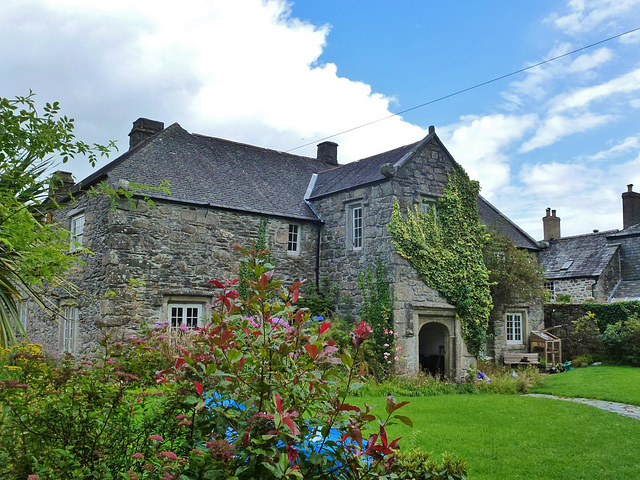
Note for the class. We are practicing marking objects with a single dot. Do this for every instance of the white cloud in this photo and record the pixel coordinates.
(246, 70)
(479, 144)
(556, 127)
(590, 15)
(589, 61)
(628, 144)
(627, 83)
(631, 38)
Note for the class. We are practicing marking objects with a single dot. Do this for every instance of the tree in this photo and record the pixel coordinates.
(32, 252)
(514, 274)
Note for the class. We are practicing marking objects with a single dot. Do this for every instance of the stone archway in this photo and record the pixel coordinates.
(434, 349)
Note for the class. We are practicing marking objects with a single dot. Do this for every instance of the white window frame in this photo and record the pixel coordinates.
(77, 232)
(185, 317)
(69, 329)
(293, 239)
(428, 204)
(514, 328)
(551, 286)
(356, 226)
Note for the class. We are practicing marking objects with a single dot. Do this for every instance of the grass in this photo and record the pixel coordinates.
(610, 383)
(516, 437)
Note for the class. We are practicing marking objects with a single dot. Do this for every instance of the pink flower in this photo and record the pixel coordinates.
(110, 362)
(169, 455)
(184, 422)
(184, 327)
(396, 358)
(157, 438)
(182, 416)
(33, 477)
(386, 344)
(137, 455)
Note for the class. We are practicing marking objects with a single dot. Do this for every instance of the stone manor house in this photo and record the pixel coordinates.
(325, 221)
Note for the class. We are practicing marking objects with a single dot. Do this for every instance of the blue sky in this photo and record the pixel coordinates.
(565, 135)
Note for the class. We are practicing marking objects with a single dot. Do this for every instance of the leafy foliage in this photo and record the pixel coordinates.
(260, 245)
(418, 465)
(260, 392)
(446, 251)
(377, 310)
(611, 313)
(32, 252)
(514, 274)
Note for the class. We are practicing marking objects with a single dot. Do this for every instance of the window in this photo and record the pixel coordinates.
(69, 328)
(185, 315)
(356, 226)
(427, 205)
(24, 314)
(77, 231)
(514, 328)
(551, 286)
(293, 245)
(566, 265)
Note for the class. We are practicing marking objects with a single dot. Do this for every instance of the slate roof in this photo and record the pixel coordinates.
(219, 173)
(362, 172)
(626, 290)
(492, 217)
(589, 254)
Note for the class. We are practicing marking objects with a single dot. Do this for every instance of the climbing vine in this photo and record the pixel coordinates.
(260, 245)
(444, 246)
(377, 311)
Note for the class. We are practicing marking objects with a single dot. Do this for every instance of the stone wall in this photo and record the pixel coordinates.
(424, 176)
(563, 315)
(144, 258)
(580, 289)
(87, 282)
(532, 319)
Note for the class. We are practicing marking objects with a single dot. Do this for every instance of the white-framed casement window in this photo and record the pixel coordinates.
(551, 287)
(515, 324)
(69, 329)
(77, 231)
(185, 315)
(356, 226)
(293, 243)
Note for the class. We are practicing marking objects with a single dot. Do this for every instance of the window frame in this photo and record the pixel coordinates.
(550, 285)
(356, 227)
(295, 230)
(185, 316)
(511, 328)
(69, 329)
(76, 239)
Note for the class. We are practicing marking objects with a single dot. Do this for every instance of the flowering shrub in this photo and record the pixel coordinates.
(260, 392)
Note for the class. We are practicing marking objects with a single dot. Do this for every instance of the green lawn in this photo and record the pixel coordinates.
(515, 437)
(611, 383)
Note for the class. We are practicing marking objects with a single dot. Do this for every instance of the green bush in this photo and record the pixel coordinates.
(418, 465)
(622, 341)
(586, 335)
(611, 313)
(240, 399)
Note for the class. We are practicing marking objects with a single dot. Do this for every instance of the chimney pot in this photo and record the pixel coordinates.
(630, 207)
(551, 225)
(143, 128)
(328, 152)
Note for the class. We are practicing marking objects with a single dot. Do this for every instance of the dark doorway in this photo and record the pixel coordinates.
(432, 349)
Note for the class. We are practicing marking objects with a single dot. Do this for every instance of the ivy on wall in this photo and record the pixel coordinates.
(444, 246)
(244, 271)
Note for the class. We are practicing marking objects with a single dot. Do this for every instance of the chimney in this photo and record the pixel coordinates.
(143, 128)
(551, 225)
(328, 152)
(60, 184)
(630, 207)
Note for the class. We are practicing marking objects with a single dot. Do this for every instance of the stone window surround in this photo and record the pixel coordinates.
(201, 301)
(522, 314)
(294, 239)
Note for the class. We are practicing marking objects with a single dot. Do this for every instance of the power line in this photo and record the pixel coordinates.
(478, 85)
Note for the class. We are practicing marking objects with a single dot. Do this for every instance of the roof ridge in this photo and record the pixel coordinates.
(593, 234)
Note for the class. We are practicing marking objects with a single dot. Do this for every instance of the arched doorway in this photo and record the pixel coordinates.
(432, 349)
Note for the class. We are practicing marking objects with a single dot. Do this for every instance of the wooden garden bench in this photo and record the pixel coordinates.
(521, 359)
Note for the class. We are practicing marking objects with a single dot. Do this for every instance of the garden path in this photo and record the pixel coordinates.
(632, 411)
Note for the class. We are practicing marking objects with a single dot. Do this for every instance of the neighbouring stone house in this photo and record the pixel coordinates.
(324, 221)
(596, 267)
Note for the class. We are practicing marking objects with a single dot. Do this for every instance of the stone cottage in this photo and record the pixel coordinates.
(598, 266)
(324, 221)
